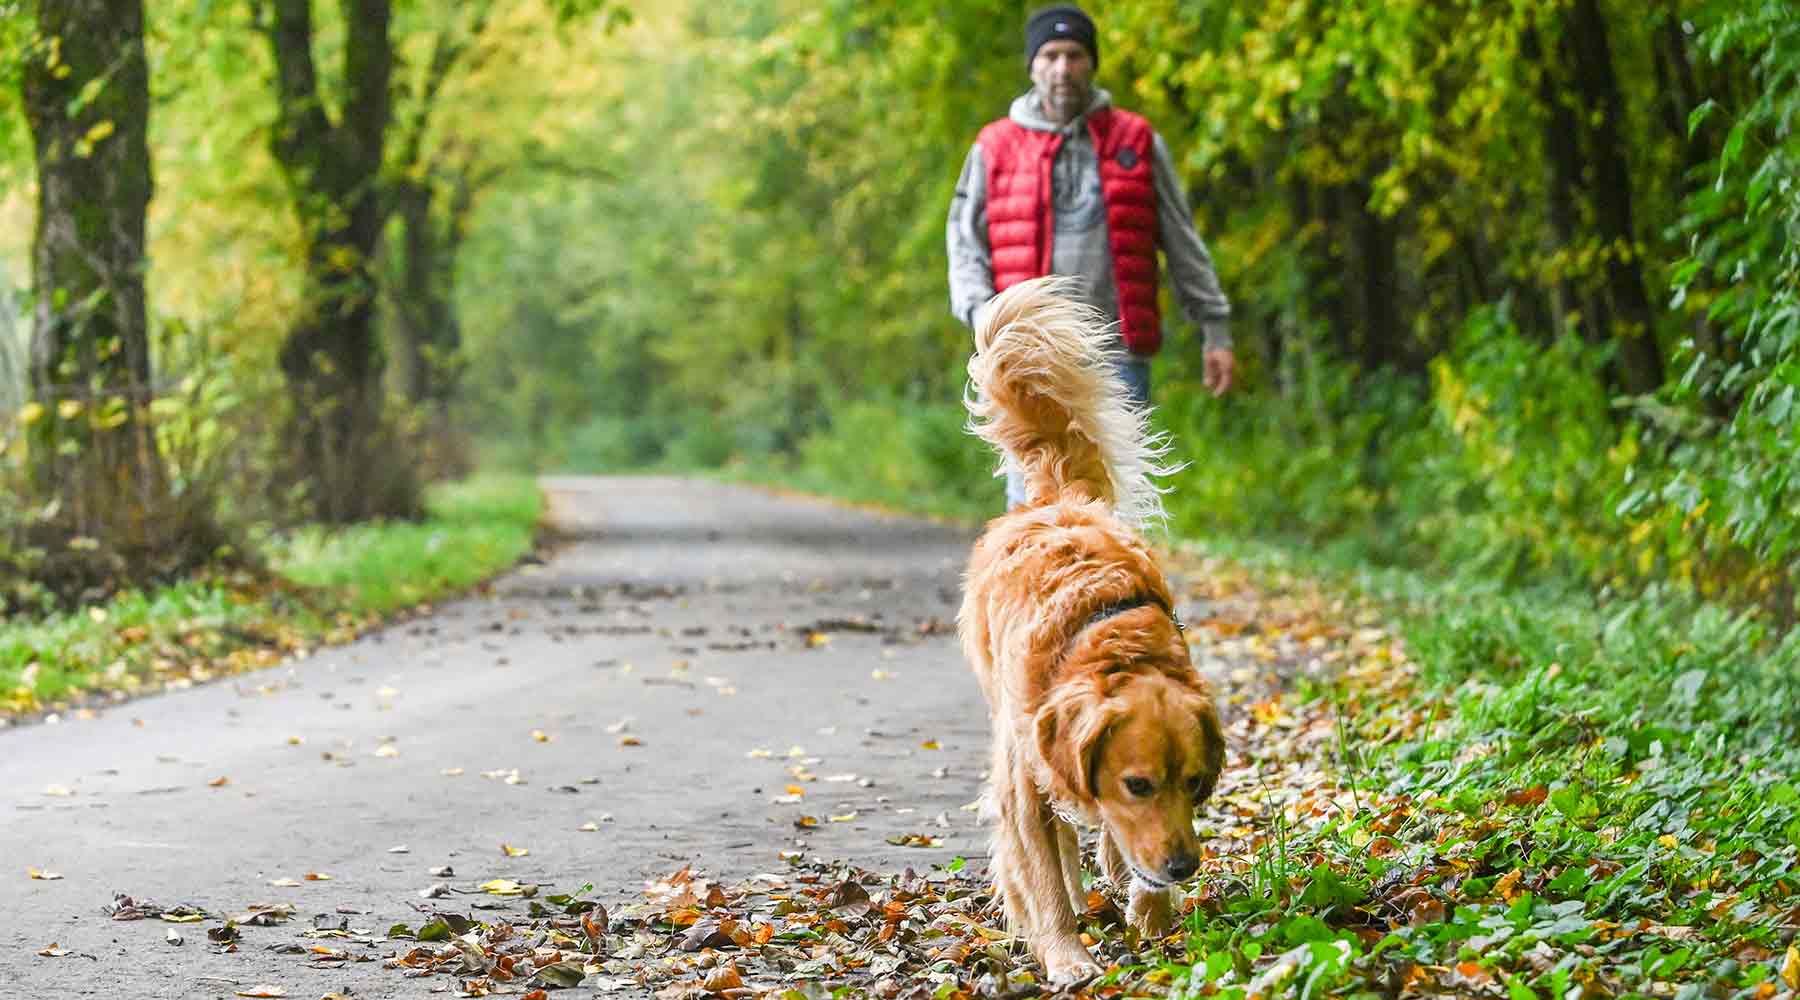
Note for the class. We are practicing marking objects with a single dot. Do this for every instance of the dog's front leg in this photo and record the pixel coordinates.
(1112, 861)
(1151, 910)
(1036, 887)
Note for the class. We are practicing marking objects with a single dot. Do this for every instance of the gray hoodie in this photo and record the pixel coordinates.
(1079, 247)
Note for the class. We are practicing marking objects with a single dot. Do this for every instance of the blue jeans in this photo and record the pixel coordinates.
(1135, 373)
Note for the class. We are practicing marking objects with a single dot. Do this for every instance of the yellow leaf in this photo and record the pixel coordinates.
(1790, 968)
(31, 413)
(100, 131)
(316, 877)
(503, 887)
(514, 852)
(42, 876)
(540, 736)
(1668, 840)
(817, 639)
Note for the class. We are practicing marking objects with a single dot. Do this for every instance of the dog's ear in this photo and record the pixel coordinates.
(1071, 727)
(1212, 740)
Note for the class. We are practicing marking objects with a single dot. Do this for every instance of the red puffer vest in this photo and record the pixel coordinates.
(1021, 219)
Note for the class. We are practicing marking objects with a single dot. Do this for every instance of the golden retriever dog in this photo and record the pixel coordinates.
(1097, 713)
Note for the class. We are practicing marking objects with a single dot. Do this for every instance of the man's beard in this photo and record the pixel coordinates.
(1065, 103)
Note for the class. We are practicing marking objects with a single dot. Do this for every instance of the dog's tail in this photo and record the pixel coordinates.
(1046, 394)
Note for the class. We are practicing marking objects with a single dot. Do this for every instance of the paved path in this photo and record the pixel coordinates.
(678, 613)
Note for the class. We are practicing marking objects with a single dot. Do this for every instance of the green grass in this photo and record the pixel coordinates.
(329, 584)
(1578, 794)
(473, 529)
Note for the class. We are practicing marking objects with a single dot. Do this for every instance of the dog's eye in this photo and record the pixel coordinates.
(1139, 787)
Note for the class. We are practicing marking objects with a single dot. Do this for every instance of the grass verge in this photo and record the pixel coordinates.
(1458, 790)
(328, 587)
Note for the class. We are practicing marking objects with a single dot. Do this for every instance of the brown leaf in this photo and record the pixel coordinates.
(708, 934)
(1528, 796)
(850, 900)
(723, 978)
(263, 990)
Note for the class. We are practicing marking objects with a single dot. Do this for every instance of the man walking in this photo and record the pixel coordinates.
(1068, 184)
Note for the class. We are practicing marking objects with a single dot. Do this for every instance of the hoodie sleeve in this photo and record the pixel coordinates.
(1196, 284)
(966, 236)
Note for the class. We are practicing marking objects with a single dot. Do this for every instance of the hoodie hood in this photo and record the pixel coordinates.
(1028, 111)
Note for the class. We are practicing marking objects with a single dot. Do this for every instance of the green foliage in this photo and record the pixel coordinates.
(473, 530)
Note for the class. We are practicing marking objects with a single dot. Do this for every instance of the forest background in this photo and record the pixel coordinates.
(1514, 283)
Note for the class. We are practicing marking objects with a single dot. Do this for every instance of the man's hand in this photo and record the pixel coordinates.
(1219, 365)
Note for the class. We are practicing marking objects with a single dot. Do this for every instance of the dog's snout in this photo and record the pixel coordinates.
(1182, 865)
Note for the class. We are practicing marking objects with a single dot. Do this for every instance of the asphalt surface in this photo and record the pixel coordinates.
(659, 677)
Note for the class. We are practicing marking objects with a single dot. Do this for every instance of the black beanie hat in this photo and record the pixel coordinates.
(1060, 21)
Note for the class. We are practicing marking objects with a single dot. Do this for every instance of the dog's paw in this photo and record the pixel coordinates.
(1070, 965)
(1151, 911)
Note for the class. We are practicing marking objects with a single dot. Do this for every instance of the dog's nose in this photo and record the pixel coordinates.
(1182, 865)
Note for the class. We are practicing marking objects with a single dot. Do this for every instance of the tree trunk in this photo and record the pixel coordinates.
(1562, 169)
(1377, 267)
(1634, 321)
(331, 357)
(93, 451)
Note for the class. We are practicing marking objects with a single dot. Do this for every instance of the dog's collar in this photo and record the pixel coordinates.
(1132, 603)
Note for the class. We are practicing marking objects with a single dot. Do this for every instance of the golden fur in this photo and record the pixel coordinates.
(1102, 721)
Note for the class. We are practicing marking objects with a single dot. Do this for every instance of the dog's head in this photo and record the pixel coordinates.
(1139, 752)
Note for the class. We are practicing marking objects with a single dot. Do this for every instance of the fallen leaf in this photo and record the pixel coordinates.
(219, 782)
(725, 977)
(387, 750)
(514, 852)
(58, 791)
(263, 991)
(630, 741)
(451, 772)
(539, 736)
(284, 883)
(316, 877)
(399, 849)
(1790, 967)
(589, 827)
(42, 876)
(503, 887)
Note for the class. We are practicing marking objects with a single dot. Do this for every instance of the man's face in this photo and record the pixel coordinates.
(1064, 73)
